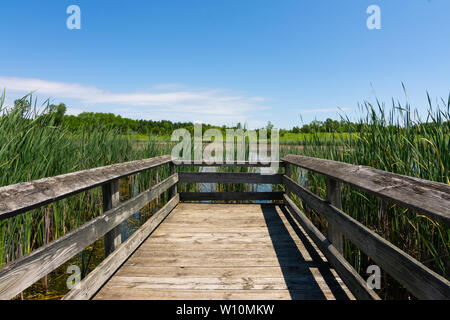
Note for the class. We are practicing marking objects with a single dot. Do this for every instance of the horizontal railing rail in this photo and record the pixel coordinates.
(230, 196)
(19, 274)
(422, 196)
(421, 281)
(229, 177)
(203, 163)
(22, 197)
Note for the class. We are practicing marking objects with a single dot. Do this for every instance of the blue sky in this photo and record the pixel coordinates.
(225, 61)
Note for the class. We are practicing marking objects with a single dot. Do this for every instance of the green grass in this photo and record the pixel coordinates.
(32, 148)
(323, 138)
(145, 138)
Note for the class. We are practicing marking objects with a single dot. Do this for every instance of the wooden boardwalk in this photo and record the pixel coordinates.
(198, 250)
(226, 251)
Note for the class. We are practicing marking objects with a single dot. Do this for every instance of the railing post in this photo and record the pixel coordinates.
(287, 169)
(334, 197)
(111, 199)
(172, 190)
(288, 173)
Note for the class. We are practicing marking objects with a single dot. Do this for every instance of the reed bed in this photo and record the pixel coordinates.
(32, 147)
(396, 141)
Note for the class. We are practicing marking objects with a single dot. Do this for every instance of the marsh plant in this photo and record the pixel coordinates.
(396, 140)
(33, 146)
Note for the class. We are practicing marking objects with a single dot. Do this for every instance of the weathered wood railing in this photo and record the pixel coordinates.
(425, 197)
(230, 178)
(19, 198)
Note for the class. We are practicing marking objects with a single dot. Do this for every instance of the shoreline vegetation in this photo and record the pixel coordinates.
(37, 145)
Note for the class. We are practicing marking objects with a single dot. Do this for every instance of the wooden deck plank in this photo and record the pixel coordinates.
(226, 251)
(142, 270)
(297, 282)
(151, 294)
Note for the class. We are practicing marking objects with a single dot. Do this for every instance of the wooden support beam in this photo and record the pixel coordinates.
(111, 199)
(173, 190)
(287, 169)
(334, 197)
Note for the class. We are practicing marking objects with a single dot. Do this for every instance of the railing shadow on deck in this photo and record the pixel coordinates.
(324, 269)
(291, 260)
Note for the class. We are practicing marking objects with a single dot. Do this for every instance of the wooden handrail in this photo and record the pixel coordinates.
(417, 278)
(228, 164)
(229, 177)
(21, 273)
(230, 196)
(18, 198)
(422, 196)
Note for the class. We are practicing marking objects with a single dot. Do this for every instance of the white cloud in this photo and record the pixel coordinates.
(167, 101)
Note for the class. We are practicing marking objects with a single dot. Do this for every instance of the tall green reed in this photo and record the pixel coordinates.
(394, 140)
(32, 147)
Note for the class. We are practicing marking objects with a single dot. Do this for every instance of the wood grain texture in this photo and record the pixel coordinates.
(160, 294)
(193, 255)
(287, 168)
(334, 197)
(228, 177)
(18, 198)
(231, 164)
(417, 278)
(204, 196)
(17, 276)
(173, 190)
(111, 199)
(422, 196)
(95, 280)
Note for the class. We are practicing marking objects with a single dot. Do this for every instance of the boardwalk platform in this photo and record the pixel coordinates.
(194, 250)
(226, 251)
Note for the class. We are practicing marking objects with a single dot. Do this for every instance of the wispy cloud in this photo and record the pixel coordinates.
(324, 110)
(168, 101)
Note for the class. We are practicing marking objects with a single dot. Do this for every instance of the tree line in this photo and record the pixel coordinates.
(56, 114)
(88, 120)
